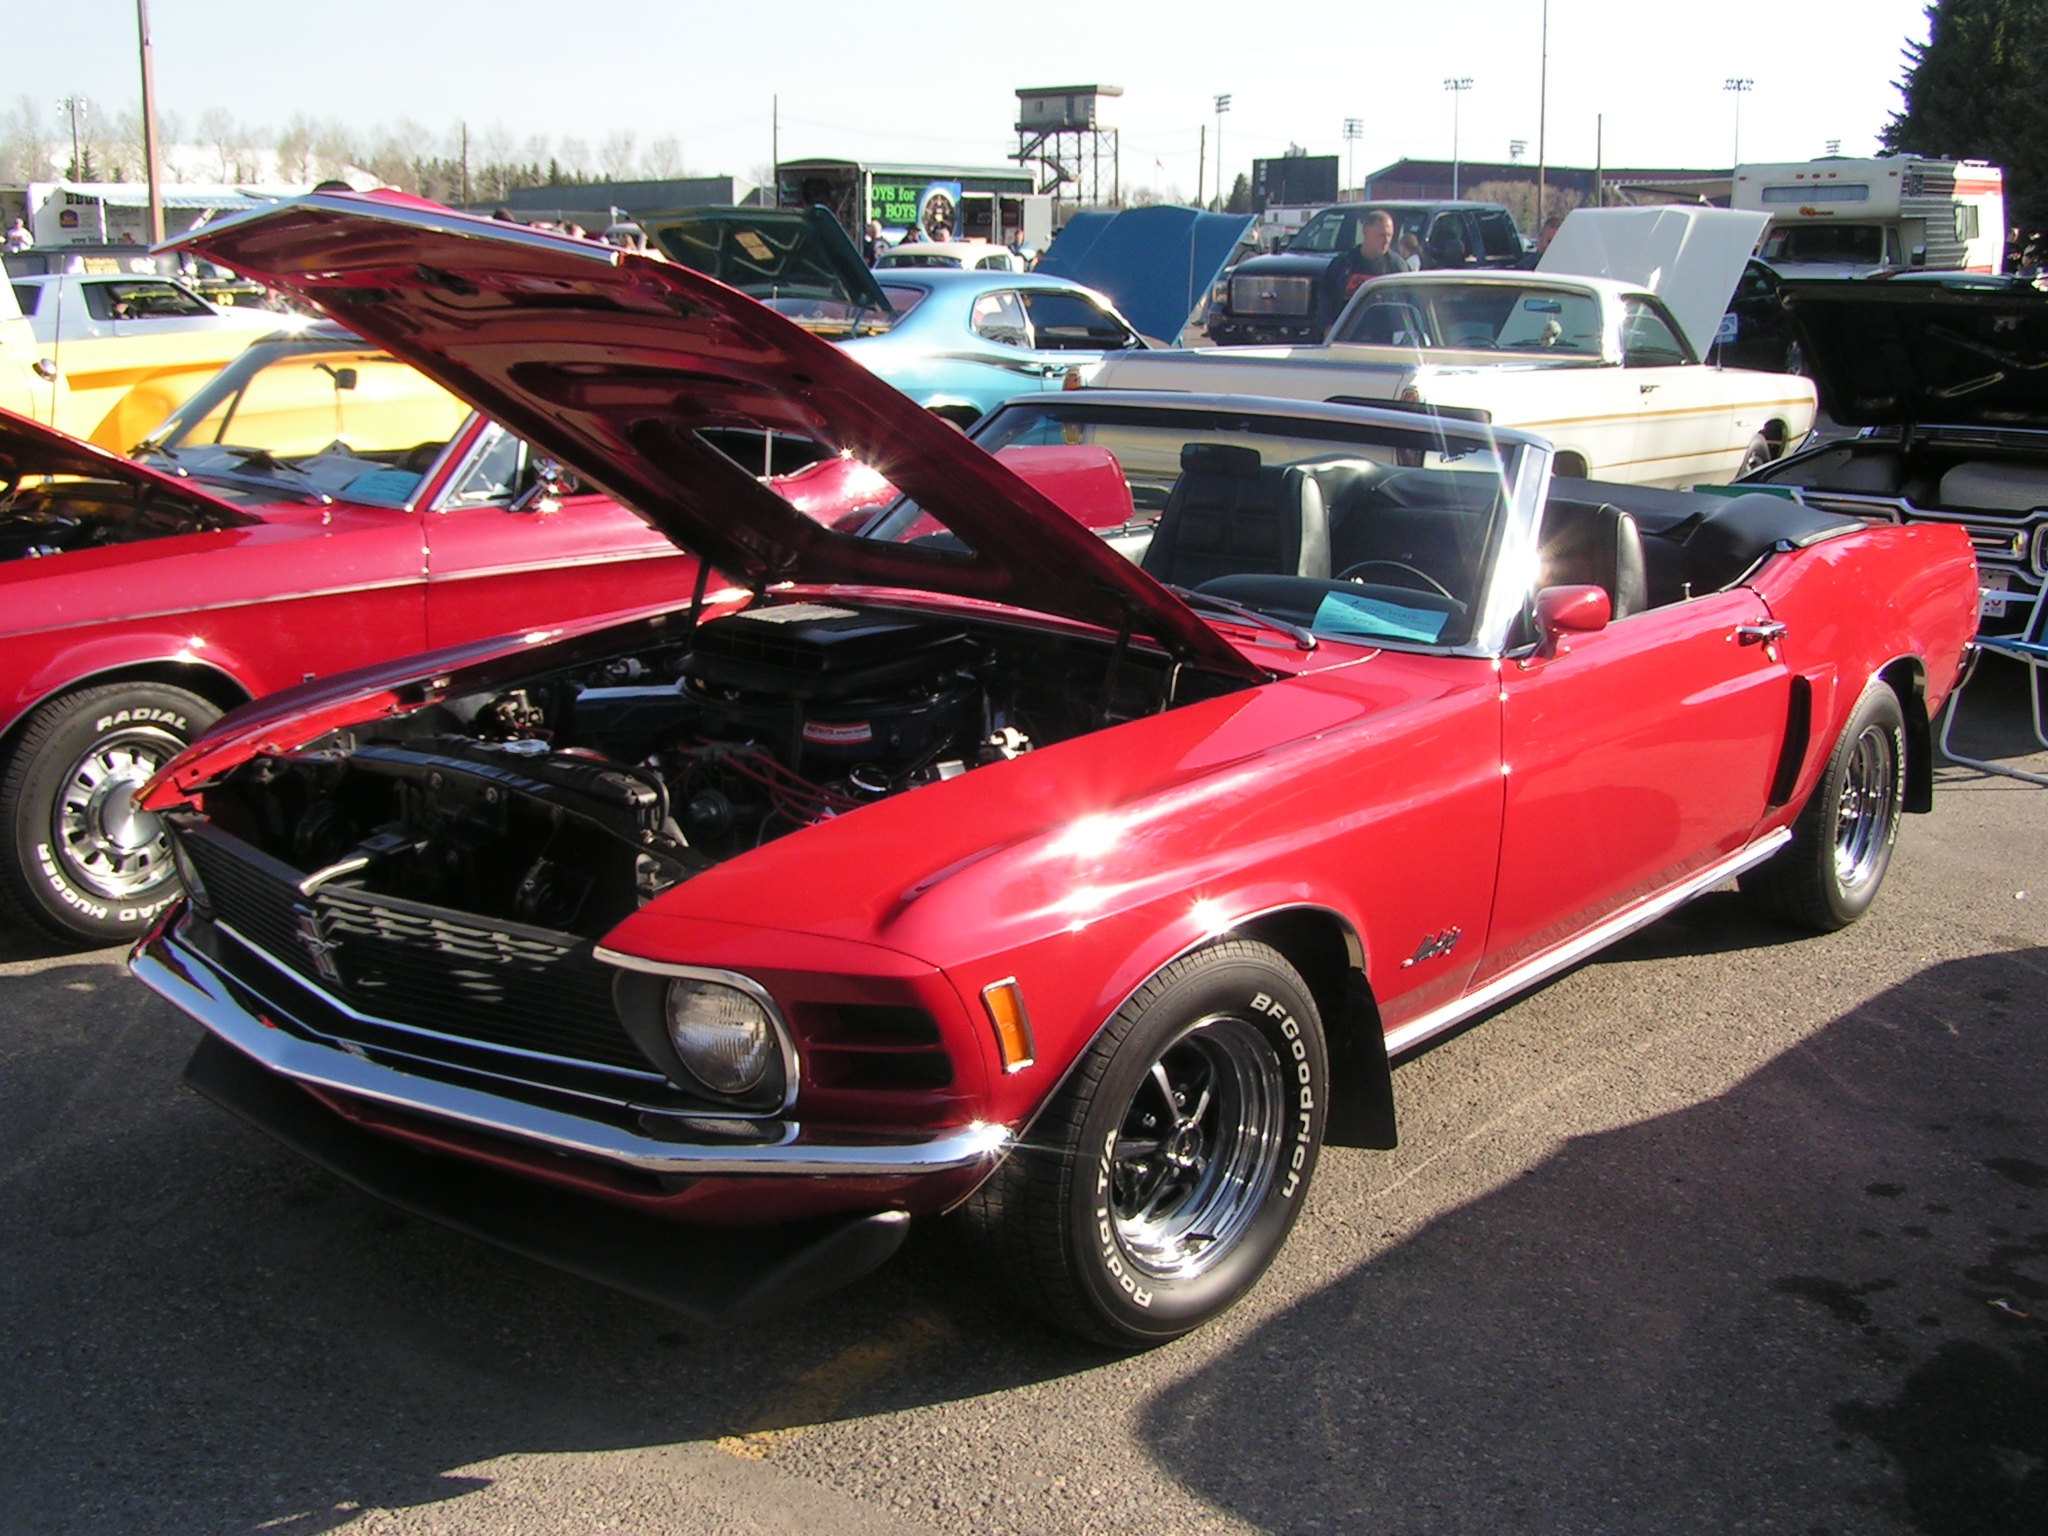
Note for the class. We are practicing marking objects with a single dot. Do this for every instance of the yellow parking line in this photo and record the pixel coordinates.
(824, 1389)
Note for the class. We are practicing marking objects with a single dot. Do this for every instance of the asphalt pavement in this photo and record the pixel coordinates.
(1729, 1230)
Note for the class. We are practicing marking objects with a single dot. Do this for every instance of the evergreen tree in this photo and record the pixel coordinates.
(1978, 89)
(1240, 196)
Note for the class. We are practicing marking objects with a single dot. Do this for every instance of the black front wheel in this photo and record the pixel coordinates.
(1160, 1182)
(1829, 874)
(82, 860)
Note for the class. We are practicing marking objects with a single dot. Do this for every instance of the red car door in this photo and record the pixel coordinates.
(491, 569)
(1637, 755)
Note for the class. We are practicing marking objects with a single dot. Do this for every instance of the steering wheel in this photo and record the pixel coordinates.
(1350, 573)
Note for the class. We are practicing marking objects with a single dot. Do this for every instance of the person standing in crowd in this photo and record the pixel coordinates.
(18, 238)
(873, 244)
(1374, 256)
(1410, 250)
(1543, 239)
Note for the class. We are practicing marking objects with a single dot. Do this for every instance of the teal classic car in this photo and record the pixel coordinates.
(959, 342)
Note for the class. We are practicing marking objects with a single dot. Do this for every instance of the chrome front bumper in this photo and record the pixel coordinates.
(179, 973)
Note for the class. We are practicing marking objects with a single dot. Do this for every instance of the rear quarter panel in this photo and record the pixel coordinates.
(1854, 605)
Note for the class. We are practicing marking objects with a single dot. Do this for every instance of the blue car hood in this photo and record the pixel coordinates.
(1154, 264)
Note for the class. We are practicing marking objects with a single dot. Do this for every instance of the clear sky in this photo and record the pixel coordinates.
(903, 81)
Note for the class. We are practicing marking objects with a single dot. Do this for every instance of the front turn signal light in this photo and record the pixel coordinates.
(1004, 1001)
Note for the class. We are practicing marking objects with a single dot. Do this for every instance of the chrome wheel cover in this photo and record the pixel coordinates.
(107, 844)
(1198, 1148)
(1867, 808)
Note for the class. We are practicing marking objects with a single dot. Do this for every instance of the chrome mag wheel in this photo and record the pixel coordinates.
(1865, 812)
(1198, 1148)
(108, 843)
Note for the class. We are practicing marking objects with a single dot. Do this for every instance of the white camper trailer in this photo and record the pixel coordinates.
(1847, 217)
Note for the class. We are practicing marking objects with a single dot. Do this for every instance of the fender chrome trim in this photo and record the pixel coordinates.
(189, 981)
(1568, 954)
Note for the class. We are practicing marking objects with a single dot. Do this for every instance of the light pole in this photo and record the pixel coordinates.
(77, 107)
(1738, 88)
(1457, 85)
(1222, 193)
(1354, 130)
(156, 196)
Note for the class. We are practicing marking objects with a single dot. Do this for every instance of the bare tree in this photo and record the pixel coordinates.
(334, 150)
(27, 148)
(664, 158)
(295, 149)
(615, 155)
(575, 158)
(217, 131)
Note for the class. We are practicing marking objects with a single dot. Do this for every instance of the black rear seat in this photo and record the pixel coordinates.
(1695, 543)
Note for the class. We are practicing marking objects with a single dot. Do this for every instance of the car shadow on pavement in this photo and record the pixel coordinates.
(203, 1332)
(1814, 1303)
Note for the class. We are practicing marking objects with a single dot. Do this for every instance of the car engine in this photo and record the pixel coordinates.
(677, 757)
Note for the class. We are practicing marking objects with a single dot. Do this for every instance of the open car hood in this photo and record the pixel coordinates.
(770, 254)
(1155, 264)
(1925, 349)
(1691, 258)
(617, 363)
(28, 448)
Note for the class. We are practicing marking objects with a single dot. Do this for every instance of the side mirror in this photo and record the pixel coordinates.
(551, 482)
(1576, 610)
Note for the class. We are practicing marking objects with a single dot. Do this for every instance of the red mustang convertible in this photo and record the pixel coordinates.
(966, 863)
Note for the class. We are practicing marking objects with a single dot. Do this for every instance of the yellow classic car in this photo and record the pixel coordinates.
(113, 354)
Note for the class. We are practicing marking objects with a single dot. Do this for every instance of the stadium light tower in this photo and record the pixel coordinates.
(1457, 85)
(1354, 130)
(76, 107)
(1738, 87)
(1222, 192)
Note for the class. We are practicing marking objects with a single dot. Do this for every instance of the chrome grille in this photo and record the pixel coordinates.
(1254, 295)
(497, 984)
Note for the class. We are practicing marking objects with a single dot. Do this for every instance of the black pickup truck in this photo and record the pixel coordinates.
(1294, 294)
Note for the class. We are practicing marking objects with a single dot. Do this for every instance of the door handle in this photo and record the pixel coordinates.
(1769, 632)
(1644, 389)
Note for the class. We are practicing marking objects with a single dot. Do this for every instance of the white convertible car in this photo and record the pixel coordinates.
(1597, 350)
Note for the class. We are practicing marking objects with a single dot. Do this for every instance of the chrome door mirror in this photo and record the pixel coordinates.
(551, 482)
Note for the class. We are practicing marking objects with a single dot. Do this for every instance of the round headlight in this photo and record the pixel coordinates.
(188, 876)
(723, 1035)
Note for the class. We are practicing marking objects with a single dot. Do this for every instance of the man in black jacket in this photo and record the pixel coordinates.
(1375, 254)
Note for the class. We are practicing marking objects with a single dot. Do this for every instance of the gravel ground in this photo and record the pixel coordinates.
(1729, 1230)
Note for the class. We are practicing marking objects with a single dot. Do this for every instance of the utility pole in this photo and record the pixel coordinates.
(465, 165)
(1354, 130)
(156, 196)
(1201, 163)
(1543, 122)
(1600, 160)
(1222, 192)
(78, 107)
(1738, 87)
(771, 195)
(1457, 85)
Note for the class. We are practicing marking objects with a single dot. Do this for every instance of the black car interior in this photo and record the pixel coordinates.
(1281, 539)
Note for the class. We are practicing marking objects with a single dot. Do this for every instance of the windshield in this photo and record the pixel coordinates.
(1484, 317)
(1336, 229)
(1357, 532)
(339, 418)
(1860, 244)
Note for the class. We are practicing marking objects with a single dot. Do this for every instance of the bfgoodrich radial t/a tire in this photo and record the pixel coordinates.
(1165, 1175)
(1828, 875)
(80, 858)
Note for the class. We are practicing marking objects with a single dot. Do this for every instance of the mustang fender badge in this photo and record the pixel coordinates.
(312, 936)
(1433, 945)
